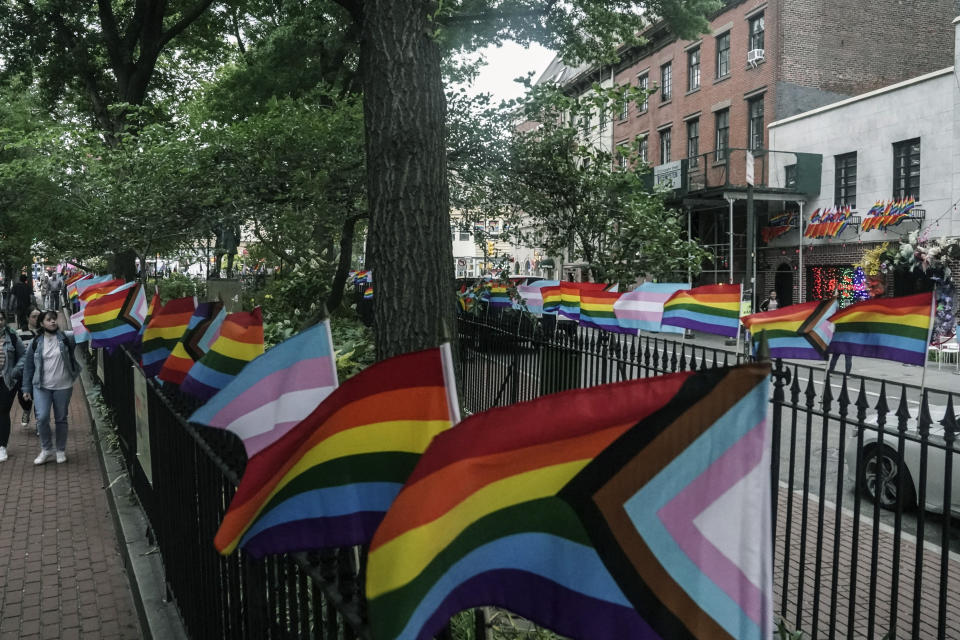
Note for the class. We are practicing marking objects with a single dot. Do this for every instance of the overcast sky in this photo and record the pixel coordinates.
(506, 63)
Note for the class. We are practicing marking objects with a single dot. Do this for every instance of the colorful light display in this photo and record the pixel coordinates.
(850, 283)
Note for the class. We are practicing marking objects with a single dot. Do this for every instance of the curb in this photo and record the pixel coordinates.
(159, 617)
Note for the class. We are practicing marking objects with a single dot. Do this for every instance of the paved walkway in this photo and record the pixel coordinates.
(61, 572)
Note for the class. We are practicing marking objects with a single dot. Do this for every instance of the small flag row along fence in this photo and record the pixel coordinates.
(838, 569)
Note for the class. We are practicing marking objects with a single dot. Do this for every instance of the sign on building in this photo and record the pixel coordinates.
(669, 175)
(750, 164)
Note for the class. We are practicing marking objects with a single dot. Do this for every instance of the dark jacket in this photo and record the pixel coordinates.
(33, 365)
(16, 354)
(22, 294)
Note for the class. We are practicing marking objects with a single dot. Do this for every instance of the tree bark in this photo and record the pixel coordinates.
(404, 120)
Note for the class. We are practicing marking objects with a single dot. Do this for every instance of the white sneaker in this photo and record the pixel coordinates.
(45, 456)
(61, 457)
(3, 454)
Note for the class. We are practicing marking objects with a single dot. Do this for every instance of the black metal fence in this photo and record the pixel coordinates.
(845, 564)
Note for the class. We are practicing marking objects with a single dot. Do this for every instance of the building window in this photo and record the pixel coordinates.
(642, 151)
(623, 155)
(693, 142)
(666, 82)
(755, 134)
(723, 55)
(664, 146)
(464, 235)
(624, 109)
(585, 122)
(845, 180)
(643, 83)
(906, 169)
(693, 70)
(790, 176)
(723, 134)
(756, 32)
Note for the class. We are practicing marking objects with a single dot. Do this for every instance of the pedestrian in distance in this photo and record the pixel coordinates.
(56, 291)
(771, 303)
(12, 354)
(22, 296)
(49, 370)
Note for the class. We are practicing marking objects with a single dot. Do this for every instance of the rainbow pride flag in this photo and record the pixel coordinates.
(240, 340)
(570, 294)
(72, 292)
(642, 308)
(532, 295)
(887, 328)
(84, 283)
(80, 333)
(499, 296)
(164, 330)
(551, 296)
(152, 308)
(713, 308)
(101, 289)
(276, 391)
(188, 349)
(786, 333)
(604, 513)
(596, 310)
(115, 318)
(328, 481)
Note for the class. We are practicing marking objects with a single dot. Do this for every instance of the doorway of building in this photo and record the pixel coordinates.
(783, 285)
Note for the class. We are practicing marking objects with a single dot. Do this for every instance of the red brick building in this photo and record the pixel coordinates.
(760, 62)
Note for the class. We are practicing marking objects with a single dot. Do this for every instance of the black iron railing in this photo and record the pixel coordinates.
(844, 566)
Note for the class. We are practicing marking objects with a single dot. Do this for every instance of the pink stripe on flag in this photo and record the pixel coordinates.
(678, 517)
(305, 374)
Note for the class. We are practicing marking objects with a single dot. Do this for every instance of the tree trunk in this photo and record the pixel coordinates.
(343, 265)
(123, 264)
(404, 120)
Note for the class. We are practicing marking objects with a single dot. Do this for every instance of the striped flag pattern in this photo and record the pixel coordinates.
(604, 513)
(895, 329)
(187, 350)
(240, 340)
(782, 328)
(275, 391)
(713, 308)
(642, 308)
(164, 330)
(328, 481)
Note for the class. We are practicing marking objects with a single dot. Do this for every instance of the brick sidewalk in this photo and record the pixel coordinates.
(61, 573)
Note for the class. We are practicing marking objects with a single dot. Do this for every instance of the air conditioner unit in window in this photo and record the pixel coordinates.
(754, 57)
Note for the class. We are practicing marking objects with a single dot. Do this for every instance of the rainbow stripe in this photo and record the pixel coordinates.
(570, 294)
(713, 308)
(188, 349)
(499, 296)
(240, 340)
(532, 295)
(581, 516)
(115, 318)
(551, 297)
(642, 308)
(330, 479)
(91, 293)
(164, 330)
(785, 329)
(597, 311)
(887, 328)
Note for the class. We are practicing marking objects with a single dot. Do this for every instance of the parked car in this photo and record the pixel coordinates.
(883, 457)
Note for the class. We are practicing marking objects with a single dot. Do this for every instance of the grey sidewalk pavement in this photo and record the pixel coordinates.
(61, 571)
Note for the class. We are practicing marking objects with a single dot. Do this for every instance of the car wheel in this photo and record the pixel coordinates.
(880, 478)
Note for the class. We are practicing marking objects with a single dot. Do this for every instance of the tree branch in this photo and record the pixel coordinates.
(189, 17)
(133, 29)
(354, 8)
(487, 16)
(108, 24)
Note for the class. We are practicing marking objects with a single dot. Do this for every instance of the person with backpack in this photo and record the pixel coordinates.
(49, 371)
(12, 355)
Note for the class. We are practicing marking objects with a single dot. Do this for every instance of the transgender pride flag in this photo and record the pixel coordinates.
(642, 308)
(276, 391)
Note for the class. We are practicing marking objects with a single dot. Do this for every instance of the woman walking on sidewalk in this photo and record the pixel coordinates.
(49, 371)
(11, 364)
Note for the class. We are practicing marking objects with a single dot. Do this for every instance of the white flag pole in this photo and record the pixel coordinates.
(739, 333)
(333, 354)
(450, 383)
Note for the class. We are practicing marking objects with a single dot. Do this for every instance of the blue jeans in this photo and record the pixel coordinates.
(60, 400)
